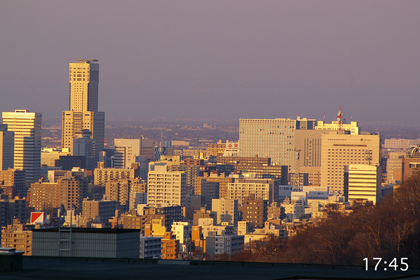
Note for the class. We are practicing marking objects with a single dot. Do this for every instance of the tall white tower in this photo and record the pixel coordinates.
(27, 128)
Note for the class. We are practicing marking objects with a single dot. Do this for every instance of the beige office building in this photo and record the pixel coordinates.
(271, 138)
(307, 146)
(364, 182)
(339, 150)
(394, 166)
(399, 143)
(260, 188)
(126, 151)
(27, 148)
(83, 112)
(352, 127)
(104, 175)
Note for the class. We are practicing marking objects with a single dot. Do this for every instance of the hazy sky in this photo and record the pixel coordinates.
(216, 59)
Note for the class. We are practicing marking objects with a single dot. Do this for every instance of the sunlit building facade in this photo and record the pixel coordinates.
(272, 138)
(26, 126)
(83, 110)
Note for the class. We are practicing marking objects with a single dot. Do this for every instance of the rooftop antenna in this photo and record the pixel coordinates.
(339, 119)
(161, 131)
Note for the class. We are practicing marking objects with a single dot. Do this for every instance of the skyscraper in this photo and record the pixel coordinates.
(83, 108)
(27, 128)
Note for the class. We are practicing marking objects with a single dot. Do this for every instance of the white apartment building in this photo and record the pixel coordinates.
(339, 150)
(182, 231)
(27, 147)
(165, 187)
(208, 229)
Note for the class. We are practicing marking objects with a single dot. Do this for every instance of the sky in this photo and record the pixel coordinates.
(220, 60)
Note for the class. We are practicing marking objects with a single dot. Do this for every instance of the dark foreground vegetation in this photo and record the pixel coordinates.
(389, 230)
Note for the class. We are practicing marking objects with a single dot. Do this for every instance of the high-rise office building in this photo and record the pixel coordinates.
(27, 148)
(272, 138)
(308, 145)
(84, 81)
(83, 110)
(6, 147)
(339, 150)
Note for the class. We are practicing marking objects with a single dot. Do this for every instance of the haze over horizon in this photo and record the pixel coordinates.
(216, 59)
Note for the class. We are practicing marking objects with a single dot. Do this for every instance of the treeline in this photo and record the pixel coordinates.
(390, 229)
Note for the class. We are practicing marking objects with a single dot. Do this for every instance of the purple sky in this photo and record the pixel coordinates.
(216, 59)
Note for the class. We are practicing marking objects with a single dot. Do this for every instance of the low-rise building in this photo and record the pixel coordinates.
(16, 236)
(217, 245)
(99, 211)
(86, 242)
(150, 247)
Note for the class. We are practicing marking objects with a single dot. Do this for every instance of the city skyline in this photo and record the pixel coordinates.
(186, 59)
(293, 179)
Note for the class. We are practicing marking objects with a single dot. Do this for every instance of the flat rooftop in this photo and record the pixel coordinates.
(97, 268)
